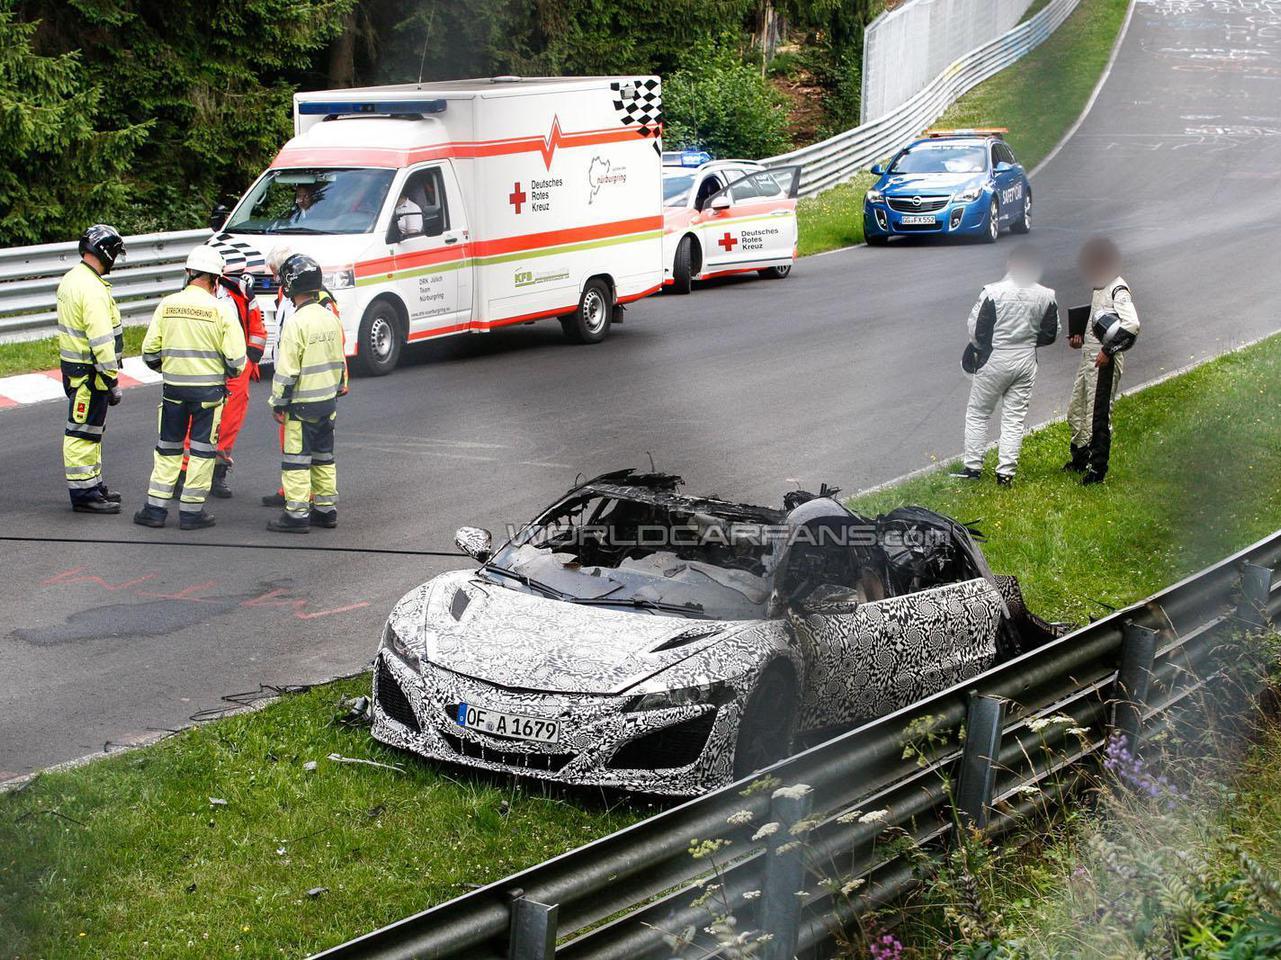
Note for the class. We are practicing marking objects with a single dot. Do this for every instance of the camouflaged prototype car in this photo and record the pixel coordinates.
(634, 637)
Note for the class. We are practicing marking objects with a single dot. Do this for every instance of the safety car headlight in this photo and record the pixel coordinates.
(395, 643)
(714, 693)
(875, 196)
(341, 278)
(970, 195)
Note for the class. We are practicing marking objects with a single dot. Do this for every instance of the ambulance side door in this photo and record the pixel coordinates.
(428, 238)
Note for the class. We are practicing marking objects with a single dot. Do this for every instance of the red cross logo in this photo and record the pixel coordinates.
(517, 196)
(727, 242)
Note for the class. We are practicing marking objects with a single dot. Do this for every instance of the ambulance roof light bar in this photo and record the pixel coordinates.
(999, 132)
(383, 108)
(689, 157)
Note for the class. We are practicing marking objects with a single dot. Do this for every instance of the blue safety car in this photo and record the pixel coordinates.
(956, 183)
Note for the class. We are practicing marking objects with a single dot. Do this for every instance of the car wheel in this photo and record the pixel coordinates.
(683, 266)
(775, 273)
(1024, 223)
(993, 222)
(380, 341)
(765, 729)
(876, 240)
(590, 322)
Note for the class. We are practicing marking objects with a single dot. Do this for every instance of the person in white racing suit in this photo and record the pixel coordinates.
(1112, 328)
(1011, 318)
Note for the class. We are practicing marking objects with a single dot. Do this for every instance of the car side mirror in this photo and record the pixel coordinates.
(720, 202)
(827, 600)
(878, 169)
(1004, 167)
(218, 217)
(477, 543)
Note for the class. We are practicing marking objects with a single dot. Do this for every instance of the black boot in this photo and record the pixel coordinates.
(96, 504)
(287, 524)
(1080, 459)
(150, 516)
(187, 520)
(108, 495)
(1092, 477)
(219, 486)
(327, 520)
(274, 500)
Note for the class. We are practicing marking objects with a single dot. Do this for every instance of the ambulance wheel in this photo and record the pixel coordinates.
(381, 339)
(993, 223)
(1024, 223)
(776, 273)
(590, 322)
(683, 266)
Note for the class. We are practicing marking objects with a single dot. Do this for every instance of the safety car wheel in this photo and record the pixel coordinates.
(876, 240)
(775, 273)
(993, 222)
(683, 266)
(381, 339)
(1024, 223)
(590, 322)
(765, 729)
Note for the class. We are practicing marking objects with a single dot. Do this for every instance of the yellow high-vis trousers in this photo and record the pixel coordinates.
(82, 436)
(201, 417)
(308, 472)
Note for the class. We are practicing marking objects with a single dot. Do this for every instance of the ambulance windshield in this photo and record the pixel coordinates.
(313, 201)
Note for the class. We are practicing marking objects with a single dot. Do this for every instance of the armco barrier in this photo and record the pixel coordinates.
(622, 896)
(826, 164)
(29, 275)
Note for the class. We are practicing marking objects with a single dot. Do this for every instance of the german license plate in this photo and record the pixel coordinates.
(917, 220)
(510, 725)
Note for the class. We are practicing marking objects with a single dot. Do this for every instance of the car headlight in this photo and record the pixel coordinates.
(341, 279)
(970, 195)
(395, 643)
(714, 693)
(875, 196)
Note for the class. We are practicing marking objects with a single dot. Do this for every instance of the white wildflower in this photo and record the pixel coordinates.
(740, 818)
(767, 830)
(752, 895)
(794, 792)
(851, 816)
(1027, 790)
(874, 816)
(852, 885)
(789, 846)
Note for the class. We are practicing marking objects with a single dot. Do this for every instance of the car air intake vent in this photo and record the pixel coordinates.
(550, 762)
(666, 749)
(908, 204)
(459, 604)
(392, 699)
(688, 637)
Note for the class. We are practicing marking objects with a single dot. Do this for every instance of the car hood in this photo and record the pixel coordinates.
(330, 250)
(930, 183)
(514, 639)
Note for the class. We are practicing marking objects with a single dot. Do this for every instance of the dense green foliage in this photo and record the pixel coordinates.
(147, 112)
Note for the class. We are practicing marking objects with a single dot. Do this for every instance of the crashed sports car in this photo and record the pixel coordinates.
(634, 637)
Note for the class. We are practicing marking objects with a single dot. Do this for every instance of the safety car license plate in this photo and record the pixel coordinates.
(917, 220)
(508, 724)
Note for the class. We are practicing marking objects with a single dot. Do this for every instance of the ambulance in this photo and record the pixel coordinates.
(463, 206)
(725, 217)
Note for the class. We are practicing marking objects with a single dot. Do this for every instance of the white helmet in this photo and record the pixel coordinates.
(205, 259)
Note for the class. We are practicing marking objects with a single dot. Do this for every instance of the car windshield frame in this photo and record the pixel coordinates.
(941, 151)
(347, 201)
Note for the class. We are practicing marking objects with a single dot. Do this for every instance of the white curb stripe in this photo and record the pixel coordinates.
(31, 388)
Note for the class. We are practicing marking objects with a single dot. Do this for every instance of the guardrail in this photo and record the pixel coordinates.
(622, 896)
(29, 275)
(837, 159)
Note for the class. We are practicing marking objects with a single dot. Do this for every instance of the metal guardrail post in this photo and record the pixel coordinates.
(784, 874)
(1256, 589)
(533, 932)
(982, 745)
(1134, 681)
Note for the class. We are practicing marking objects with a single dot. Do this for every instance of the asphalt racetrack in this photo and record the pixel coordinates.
(847, 372)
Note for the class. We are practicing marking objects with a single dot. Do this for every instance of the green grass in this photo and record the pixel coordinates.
(31, 355)
(1038, 99)
(128, 856)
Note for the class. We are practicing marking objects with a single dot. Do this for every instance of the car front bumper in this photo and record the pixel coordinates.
(602, 744)
(955, 219)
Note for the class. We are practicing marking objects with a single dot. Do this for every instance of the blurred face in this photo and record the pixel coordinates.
(1025, 270)
(1099, 265)
(304, 195)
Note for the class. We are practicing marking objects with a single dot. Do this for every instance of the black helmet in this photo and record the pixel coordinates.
(301, 274)
(104, 242)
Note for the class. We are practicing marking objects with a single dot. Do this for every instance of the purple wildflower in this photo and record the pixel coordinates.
(886, 947)
(1121, 762)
